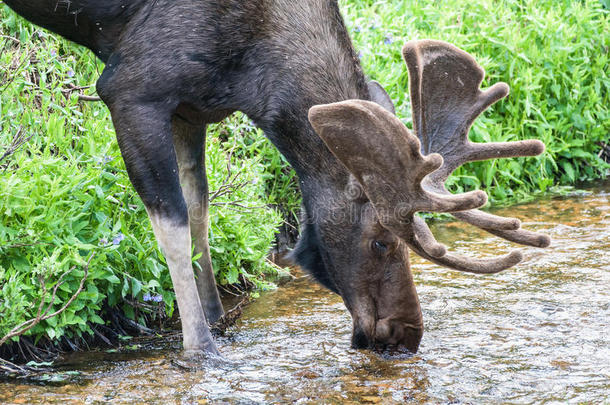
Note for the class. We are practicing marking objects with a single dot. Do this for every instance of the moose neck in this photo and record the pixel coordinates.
(305, 58)
(91, 23)
(307, 64)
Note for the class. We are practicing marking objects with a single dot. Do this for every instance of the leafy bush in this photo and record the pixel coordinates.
(65, 194)
(552, 53)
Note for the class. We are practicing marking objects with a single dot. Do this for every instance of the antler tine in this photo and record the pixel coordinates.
(470, 265)
(426, 240)
(444, 108)
(482, 219)
(521, 236)
(494, 150)
(421, 240)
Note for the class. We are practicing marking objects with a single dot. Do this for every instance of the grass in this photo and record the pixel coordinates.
(553, 54)
(64, 193)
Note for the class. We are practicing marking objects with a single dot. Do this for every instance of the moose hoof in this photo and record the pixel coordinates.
(197, 359)
(200, 354)
(205, 348)
(213, 313)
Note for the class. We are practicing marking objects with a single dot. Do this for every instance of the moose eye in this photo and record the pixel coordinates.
(380, 246)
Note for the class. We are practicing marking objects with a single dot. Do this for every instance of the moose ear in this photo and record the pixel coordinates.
(380, 96)
(360, 134)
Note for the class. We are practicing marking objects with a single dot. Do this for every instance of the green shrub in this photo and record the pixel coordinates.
(64, 195)
(552, 53)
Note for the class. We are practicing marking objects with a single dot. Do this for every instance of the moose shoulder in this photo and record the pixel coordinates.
(172, 67)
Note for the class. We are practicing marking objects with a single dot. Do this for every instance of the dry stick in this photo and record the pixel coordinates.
(7, 37)
(605, 149)
(4, 44)
(83, 97)
(22, 245)
(44, 315)
(229, 184)
(236, 206)
(231, 316)
(229, 179)
(16, 143)
(10, 367)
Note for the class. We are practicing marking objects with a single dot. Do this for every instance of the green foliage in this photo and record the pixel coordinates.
(242, 225)
(554, 56)
(65, 194)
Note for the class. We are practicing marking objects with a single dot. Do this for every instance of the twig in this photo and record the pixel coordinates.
(5, 43)
(22, 245)
(11, 38)
(44, 314)
(137, 326)
(149, 307)
(604, 152)
(229, 185)
(226, 290)
(237, 204)
(21, 65)
(230, 317)
(16, 143)
(82, 97)
(11, 366)
(102, 337)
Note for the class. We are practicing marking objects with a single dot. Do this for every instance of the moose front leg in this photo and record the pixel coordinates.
(189, 142)
(144, 133)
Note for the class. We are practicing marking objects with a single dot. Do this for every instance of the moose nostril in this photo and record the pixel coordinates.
(399, 334)
(359, 339)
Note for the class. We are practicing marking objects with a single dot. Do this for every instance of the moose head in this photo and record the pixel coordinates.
(393, 175)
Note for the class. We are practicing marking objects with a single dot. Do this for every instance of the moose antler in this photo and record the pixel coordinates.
(444, 84)
(386, 158)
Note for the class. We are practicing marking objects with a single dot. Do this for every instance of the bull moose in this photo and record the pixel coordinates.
(174, 66)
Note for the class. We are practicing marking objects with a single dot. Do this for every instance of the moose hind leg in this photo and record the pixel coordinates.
(145, 137)
(189, 142)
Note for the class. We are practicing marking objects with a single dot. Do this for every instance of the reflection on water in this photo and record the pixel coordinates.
(538, 332)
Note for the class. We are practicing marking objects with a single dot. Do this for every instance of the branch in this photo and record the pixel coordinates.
(82, 97)
(41, 314)
(18, 140)
(9, 367)
(17, 70)
(230, 183)
(237, 206)
(8, 37)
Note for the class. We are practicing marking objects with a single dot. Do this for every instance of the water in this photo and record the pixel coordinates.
(535, 333)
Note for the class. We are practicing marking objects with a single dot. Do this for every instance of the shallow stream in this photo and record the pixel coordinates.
(535, 333)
